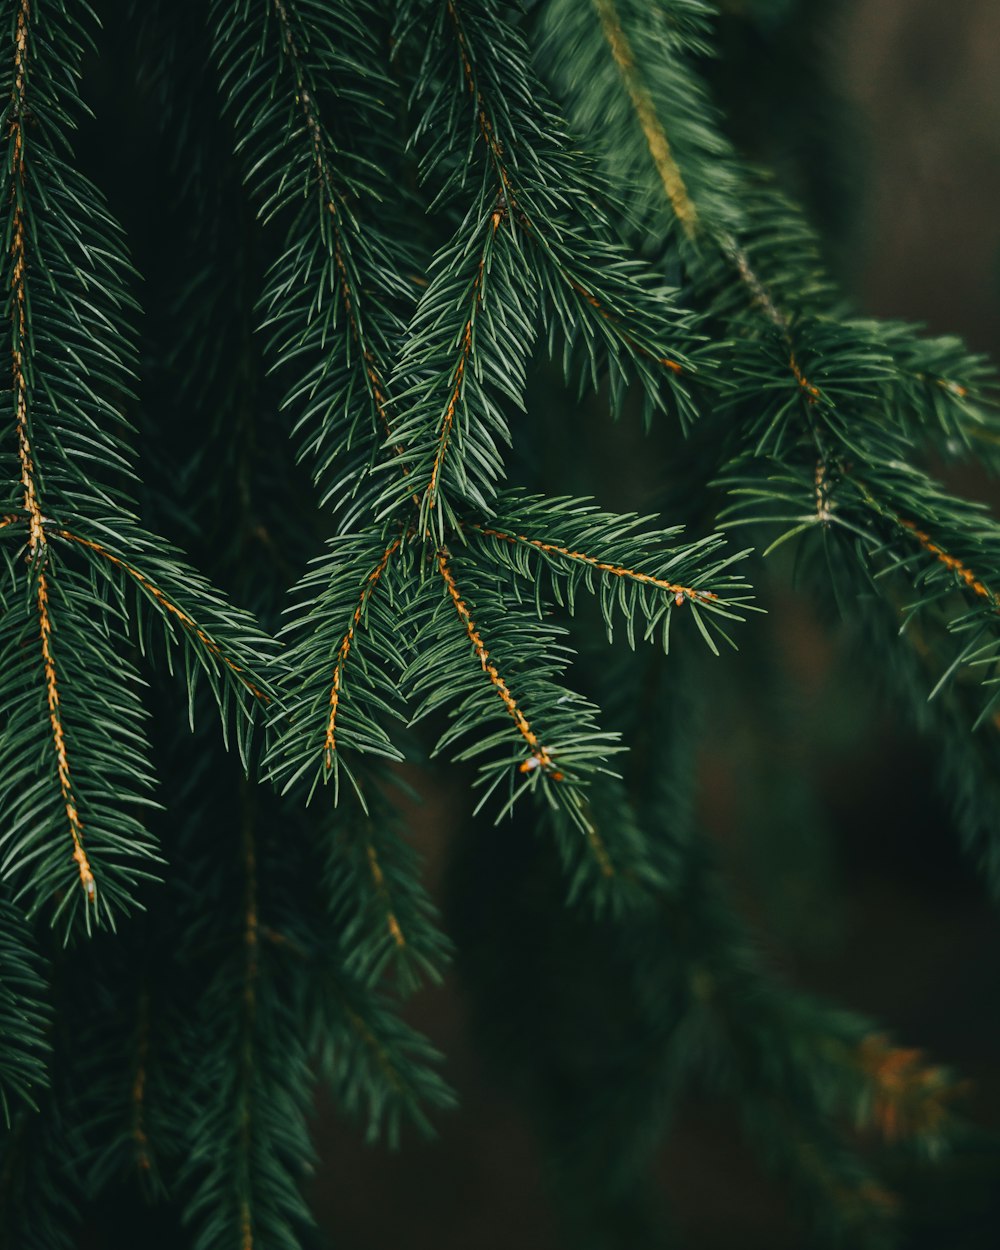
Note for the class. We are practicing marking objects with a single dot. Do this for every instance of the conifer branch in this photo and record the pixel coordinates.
(384, 918)
(325, 717)
(575, 253)
(19, 264)
(167, 604)
(371, 1057)
(961, 571)
(334, 204)
(343, 650)
(378, 878)
(275, 63)
(458, 377)
(486, 129)
(656, 138)
(539, 757)
(87, 881)
(643, 575)
(507, 199)
(680, 593)
(467, 349)
(378, 1052)
(36, 527)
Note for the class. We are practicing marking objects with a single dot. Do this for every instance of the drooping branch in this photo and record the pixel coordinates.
(343, 650)
(59, 741)
(382, 890)
(333, 201)
(508, 196)
(652, 128)
(458, 376)
(539, 757)
(19, 297)
(177, 613)
(37, 539)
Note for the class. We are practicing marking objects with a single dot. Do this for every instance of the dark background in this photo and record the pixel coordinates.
(903, 168)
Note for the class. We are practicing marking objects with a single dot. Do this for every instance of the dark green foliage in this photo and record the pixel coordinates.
(393, 252)
(24, 1012)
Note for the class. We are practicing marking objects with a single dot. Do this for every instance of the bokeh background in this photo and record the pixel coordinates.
(884, 116)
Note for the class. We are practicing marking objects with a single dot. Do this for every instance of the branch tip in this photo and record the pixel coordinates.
(540, 757)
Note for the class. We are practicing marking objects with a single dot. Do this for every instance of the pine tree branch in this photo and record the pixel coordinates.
(36, 528)
(382, 890)
(656, 138)
(447, 421)
(961, 571)
(334, 202)
(343, 650)
(528, 153)
(168, 605)
(87, 881)
(370, 1056)
(345, 614)
(680, 593)
(18, 302)
(507, 200)
(281, 70)
(539, 757)
(373, 882)
(643, 575)
(486, 129)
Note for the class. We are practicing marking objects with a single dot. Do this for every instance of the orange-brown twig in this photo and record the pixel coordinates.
(87, 880)
(679, 592)
(951, 562)
(540, 757)
(813, 393)
(330, 741)
(458, 376)
(594, 302)
(164, 601)
(19, 300)
(761, 297)
(37, 539)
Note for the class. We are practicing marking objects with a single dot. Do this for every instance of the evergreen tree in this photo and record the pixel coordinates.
(394, 258)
